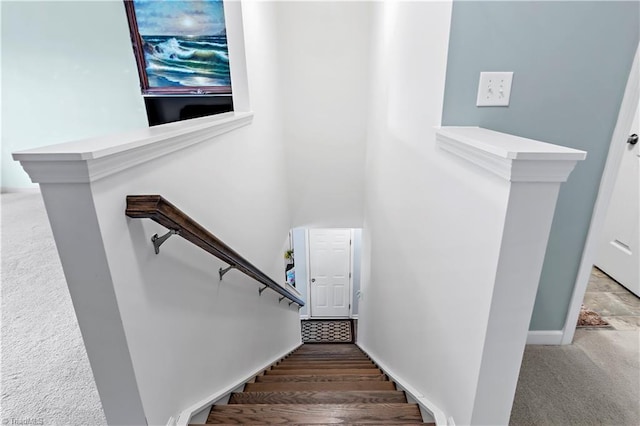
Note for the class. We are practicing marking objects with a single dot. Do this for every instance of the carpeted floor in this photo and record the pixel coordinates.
(595, 381)
(46, 378)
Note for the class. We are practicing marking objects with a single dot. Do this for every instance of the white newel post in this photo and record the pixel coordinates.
(534, 171)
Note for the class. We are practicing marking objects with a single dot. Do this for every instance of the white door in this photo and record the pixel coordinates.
(619, 251)
(329, 267)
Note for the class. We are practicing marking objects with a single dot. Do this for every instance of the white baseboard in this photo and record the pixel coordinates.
(185, 416)
(304, 316)
(28, 190)
(423, 402)
(354, 316)
(544, 337)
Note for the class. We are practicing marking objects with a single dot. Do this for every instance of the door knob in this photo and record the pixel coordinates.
(633, 139)
(313, 280)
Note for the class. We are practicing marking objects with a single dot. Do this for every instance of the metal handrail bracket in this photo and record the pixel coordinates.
(158, 241)
(221, 271)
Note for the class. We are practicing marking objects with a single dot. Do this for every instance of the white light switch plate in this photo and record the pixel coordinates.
(494, 88)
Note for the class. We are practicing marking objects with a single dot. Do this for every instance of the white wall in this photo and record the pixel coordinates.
(324, 51)
(424, 212)
(69, 73)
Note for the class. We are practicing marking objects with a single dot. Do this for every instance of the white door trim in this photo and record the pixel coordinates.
(616, 148)
(351, 253)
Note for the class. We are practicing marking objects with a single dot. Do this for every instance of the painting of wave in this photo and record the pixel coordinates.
(184, 43)
(186, 61)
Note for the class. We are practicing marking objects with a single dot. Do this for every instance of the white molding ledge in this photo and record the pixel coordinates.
(513, 158)
(88, 160)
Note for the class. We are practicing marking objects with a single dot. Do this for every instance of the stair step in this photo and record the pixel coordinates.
(321, 378)
(325, 364)
(319, 424)
(318, 386)
(344, 424)
(325, 372)
(387, 413)
(331, 352)
(328, 346)
(325, 359)
(318, 397)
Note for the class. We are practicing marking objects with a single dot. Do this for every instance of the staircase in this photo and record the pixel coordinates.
(319, 384)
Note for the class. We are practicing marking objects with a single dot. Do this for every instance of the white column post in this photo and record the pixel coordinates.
(535, 171)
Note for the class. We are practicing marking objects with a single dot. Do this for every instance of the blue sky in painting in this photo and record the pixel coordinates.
(179, 18)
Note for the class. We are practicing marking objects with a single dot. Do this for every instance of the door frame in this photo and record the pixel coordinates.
(628, 108)
(308, 277)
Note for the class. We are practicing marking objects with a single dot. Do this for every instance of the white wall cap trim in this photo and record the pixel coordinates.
(91, 159)
(511, 157)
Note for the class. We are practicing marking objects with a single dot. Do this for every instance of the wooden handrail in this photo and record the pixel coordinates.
(158, 209)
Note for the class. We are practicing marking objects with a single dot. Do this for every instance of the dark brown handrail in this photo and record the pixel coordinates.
(158, 209)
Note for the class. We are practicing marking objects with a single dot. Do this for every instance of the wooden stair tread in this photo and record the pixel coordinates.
(321, 424)
(318, 397)
(328, 364)
(385, 413)
(324, 360)
(318, 386)
(321, 378)
(324, 371)
(319, 355)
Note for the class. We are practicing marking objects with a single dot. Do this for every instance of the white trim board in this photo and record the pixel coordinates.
(544, 337)
(616, 148)
(92, 159)
(352, 238)
(423, 402)
(25, 190)
(185, 416)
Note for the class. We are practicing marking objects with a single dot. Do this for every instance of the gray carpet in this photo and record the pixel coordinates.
(595, 381)
(46, 378)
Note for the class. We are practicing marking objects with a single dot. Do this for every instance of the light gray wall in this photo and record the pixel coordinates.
(68, 73)
(571, 61)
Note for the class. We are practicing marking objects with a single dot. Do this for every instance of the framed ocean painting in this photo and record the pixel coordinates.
(180, 46)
